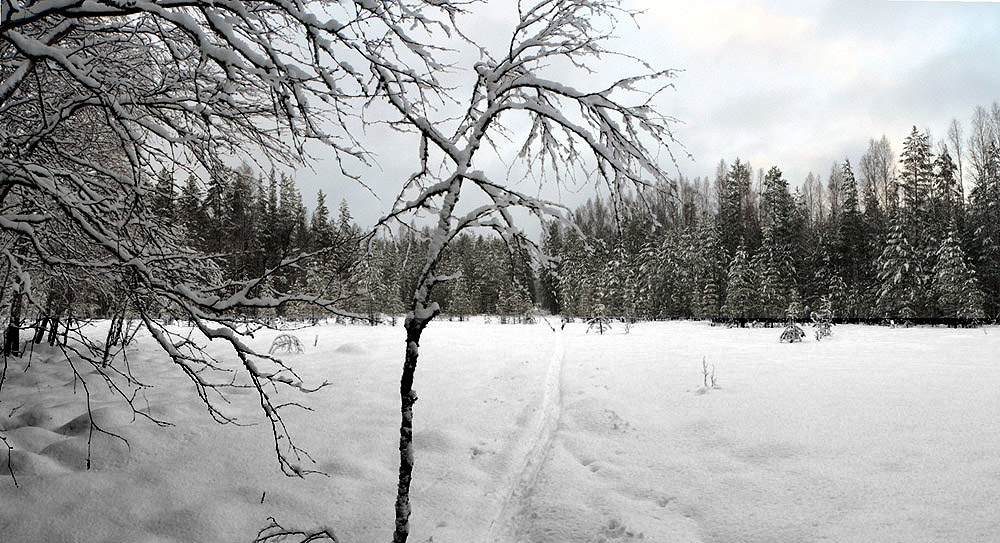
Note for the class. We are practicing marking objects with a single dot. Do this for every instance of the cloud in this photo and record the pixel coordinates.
(716, 27)
(781, 82)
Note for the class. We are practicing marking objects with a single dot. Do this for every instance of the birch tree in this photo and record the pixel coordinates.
(97, 97)
(612, 135)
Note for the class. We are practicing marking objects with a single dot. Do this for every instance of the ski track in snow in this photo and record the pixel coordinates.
(536, 450)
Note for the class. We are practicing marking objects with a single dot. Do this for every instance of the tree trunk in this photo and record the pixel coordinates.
(414, 327)
(11, 338)
(54, 329)
(114, 336)
(40, 330)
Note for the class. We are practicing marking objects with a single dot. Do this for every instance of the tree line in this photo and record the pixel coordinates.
(885, 238)
(890, 237)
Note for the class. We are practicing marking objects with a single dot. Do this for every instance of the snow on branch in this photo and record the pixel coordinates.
(614, 132)
(98, 96)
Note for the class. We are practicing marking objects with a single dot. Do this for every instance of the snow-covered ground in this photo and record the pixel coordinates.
(525, 434)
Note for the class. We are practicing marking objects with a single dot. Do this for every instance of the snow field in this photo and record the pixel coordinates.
(523, 434)
(871, 435)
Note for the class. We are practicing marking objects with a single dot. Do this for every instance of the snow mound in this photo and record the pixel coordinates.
(26, 463)
(433, 440)
(351, 348)
(105, 418)
(35, 415)
(32, 438)
(105, 452)
(342, 467)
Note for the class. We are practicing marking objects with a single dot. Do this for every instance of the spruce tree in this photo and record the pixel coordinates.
(321, 232)
(460, 300)
(915, 177)
(984, 225)
(850, 246)
(773, 268)
(773, 262)
(946, 196)
(741, 292)
(900, 278)
(552, 247)
(732, 207)
(709, 268)
(191, 212)
(955, 287)
(164, 199)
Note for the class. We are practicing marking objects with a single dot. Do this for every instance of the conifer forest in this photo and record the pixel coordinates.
(887, 236)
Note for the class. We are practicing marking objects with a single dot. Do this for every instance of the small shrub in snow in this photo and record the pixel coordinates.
(822, 330)
(792, 333)
(286, 343)
(708, 381)
(823, 319)
(600, 323)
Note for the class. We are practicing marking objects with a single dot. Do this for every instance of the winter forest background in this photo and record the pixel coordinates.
(153, 241)
(889, 236)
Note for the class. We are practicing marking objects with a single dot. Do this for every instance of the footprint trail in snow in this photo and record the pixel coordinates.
(534, 449)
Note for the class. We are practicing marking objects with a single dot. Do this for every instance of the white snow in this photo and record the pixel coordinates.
(525, 434)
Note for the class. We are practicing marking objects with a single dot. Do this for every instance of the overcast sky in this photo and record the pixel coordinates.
(793, 84)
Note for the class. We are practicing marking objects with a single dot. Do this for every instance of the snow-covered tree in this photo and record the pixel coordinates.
(773, 263)
(916, 177)
(772, 266)
(984, 217)
(741, 288)
(95, 98)
(708, 269)
(734, 208)
(461, 299)
(611, 131)
(321, 232)
(901, 279)
(850, 246)
(954, 282)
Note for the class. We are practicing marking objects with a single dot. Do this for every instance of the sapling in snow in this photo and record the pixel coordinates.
(793, 332)
(823, 319)
(708, 380)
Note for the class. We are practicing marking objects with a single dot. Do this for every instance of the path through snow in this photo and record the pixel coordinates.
(535, 450)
